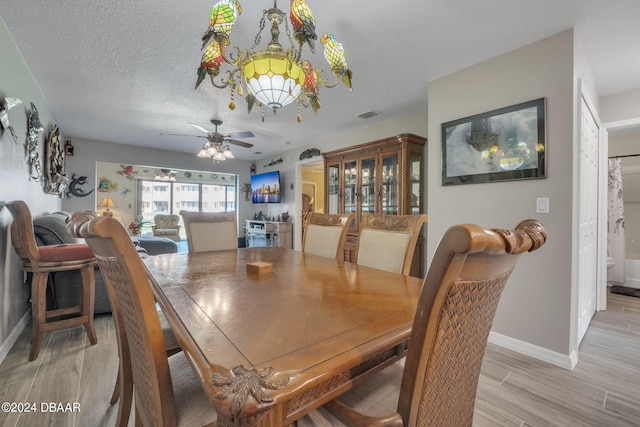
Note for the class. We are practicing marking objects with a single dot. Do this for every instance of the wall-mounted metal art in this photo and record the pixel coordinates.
(7, 104)
(56, 178)
(309, 153)
(76, 181)
(33, 152)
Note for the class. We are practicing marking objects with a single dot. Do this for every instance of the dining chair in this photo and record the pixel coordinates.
(456, 307)
(123, 388)
(43, 262)
(387, 242)
(210, 231)
(167, 392)
(324, 234)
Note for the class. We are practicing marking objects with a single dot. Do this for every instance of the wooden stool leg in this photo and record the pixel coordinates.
(88, 301)
(38, 311)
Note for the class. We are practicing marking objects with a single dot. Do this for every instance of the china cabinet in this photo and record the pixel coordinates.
(382, 177)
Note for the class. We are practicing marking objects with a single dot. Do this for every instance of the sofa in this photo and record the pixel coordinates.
(51, 229)
(155, 245)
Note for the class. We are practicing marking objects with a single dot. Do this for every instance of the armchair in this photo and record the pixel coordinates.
(167, 226)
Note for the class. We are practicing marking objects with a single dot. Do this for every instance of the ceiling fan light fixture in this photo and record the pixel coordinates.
(217, 145)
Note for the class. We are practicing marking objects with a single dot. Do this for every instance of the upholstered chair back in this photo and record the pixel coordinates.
(387, 242)
(324, 234)
(210, 231)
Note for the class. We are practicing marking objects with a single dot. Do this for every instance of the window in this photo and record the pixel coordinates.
(171, 197)
(190, 206)
(161, 207)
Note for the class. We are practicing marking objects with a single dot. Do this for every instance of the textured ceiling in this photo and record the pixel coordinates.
(124, 71)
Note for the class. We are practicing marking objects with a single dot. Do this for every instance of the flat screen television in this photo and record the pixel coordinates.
(265, 187)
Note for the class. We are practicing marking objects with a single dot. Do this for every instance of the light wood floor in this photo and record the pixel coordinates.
(514, 390)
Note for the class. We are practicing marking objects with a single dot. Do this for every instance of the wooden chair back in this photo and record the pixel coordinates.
(325, 234)
(456, 308)
(210, 231)
(137, 320)
(451, 327)
(23, 238)
(387, 242)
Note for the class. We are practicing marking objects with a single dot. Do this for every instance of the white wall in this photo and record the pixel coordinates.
(535, 306)
(620, 107)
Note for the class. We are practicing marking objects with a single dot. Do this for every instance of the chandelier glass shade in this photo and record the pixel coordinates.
(215, 151)
(272, 77)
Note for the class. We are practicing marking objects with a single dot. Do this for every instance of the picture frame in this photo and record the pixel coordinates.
(500, 145)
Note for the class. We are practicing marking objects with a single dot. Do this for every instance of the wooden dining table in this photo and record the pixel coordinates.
(271, 347)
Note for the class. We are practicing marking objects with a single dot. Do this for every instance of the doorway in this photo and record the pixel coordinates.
(623, 140)
(309, 177)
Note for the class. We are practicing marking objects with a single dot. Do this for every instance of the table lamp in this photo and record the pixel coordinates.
(107, 203)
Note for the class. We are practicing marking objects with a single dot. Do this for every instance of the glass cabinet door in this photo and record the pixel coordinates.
(414, 184)
(388, 190)
(333, 189)
(350, 186)
(368, 185)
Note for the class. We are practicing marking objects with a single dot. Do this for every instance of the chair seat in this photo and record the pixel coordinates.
(376, 396)
(192, 405)
(69, 252)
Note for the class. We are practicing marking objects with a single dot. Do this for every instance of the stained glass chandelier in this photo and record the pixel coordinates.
(271, 77)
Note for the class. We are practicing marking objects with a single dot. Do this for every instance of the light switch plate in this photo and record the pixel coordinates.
(542, 205)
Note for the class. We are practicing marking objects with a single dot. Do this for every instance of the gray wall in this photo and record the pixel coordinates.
(536, 304)
(15, 182)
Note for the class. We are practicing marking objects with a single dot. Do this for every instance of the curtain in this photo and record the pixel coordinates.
(615, 226)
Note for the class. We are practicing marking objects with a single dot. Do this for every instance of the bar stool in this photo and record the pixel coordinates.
(41, 261)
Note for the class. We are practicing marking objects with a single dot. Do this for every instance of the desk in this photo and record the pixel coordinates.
(270, 348)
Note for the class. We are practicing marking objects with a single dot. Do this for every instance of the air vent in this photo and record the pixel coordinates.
(258, 152)
(368, 114)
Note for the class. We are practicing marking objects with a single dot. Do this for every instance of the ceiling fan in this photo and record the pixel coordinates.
(217, 145)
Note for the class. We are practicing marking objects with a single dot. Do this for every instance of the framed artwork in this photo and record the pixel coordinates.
(500, 145)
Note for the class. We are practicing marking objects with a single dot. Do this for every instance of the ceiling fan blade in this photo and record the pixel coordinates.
(239, 143)
(200, 128)
(191, 136)
(245, 134)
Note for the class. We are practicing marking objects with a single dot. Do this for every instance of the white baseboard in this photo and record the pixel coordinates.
(5, 347)
(563, 361)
